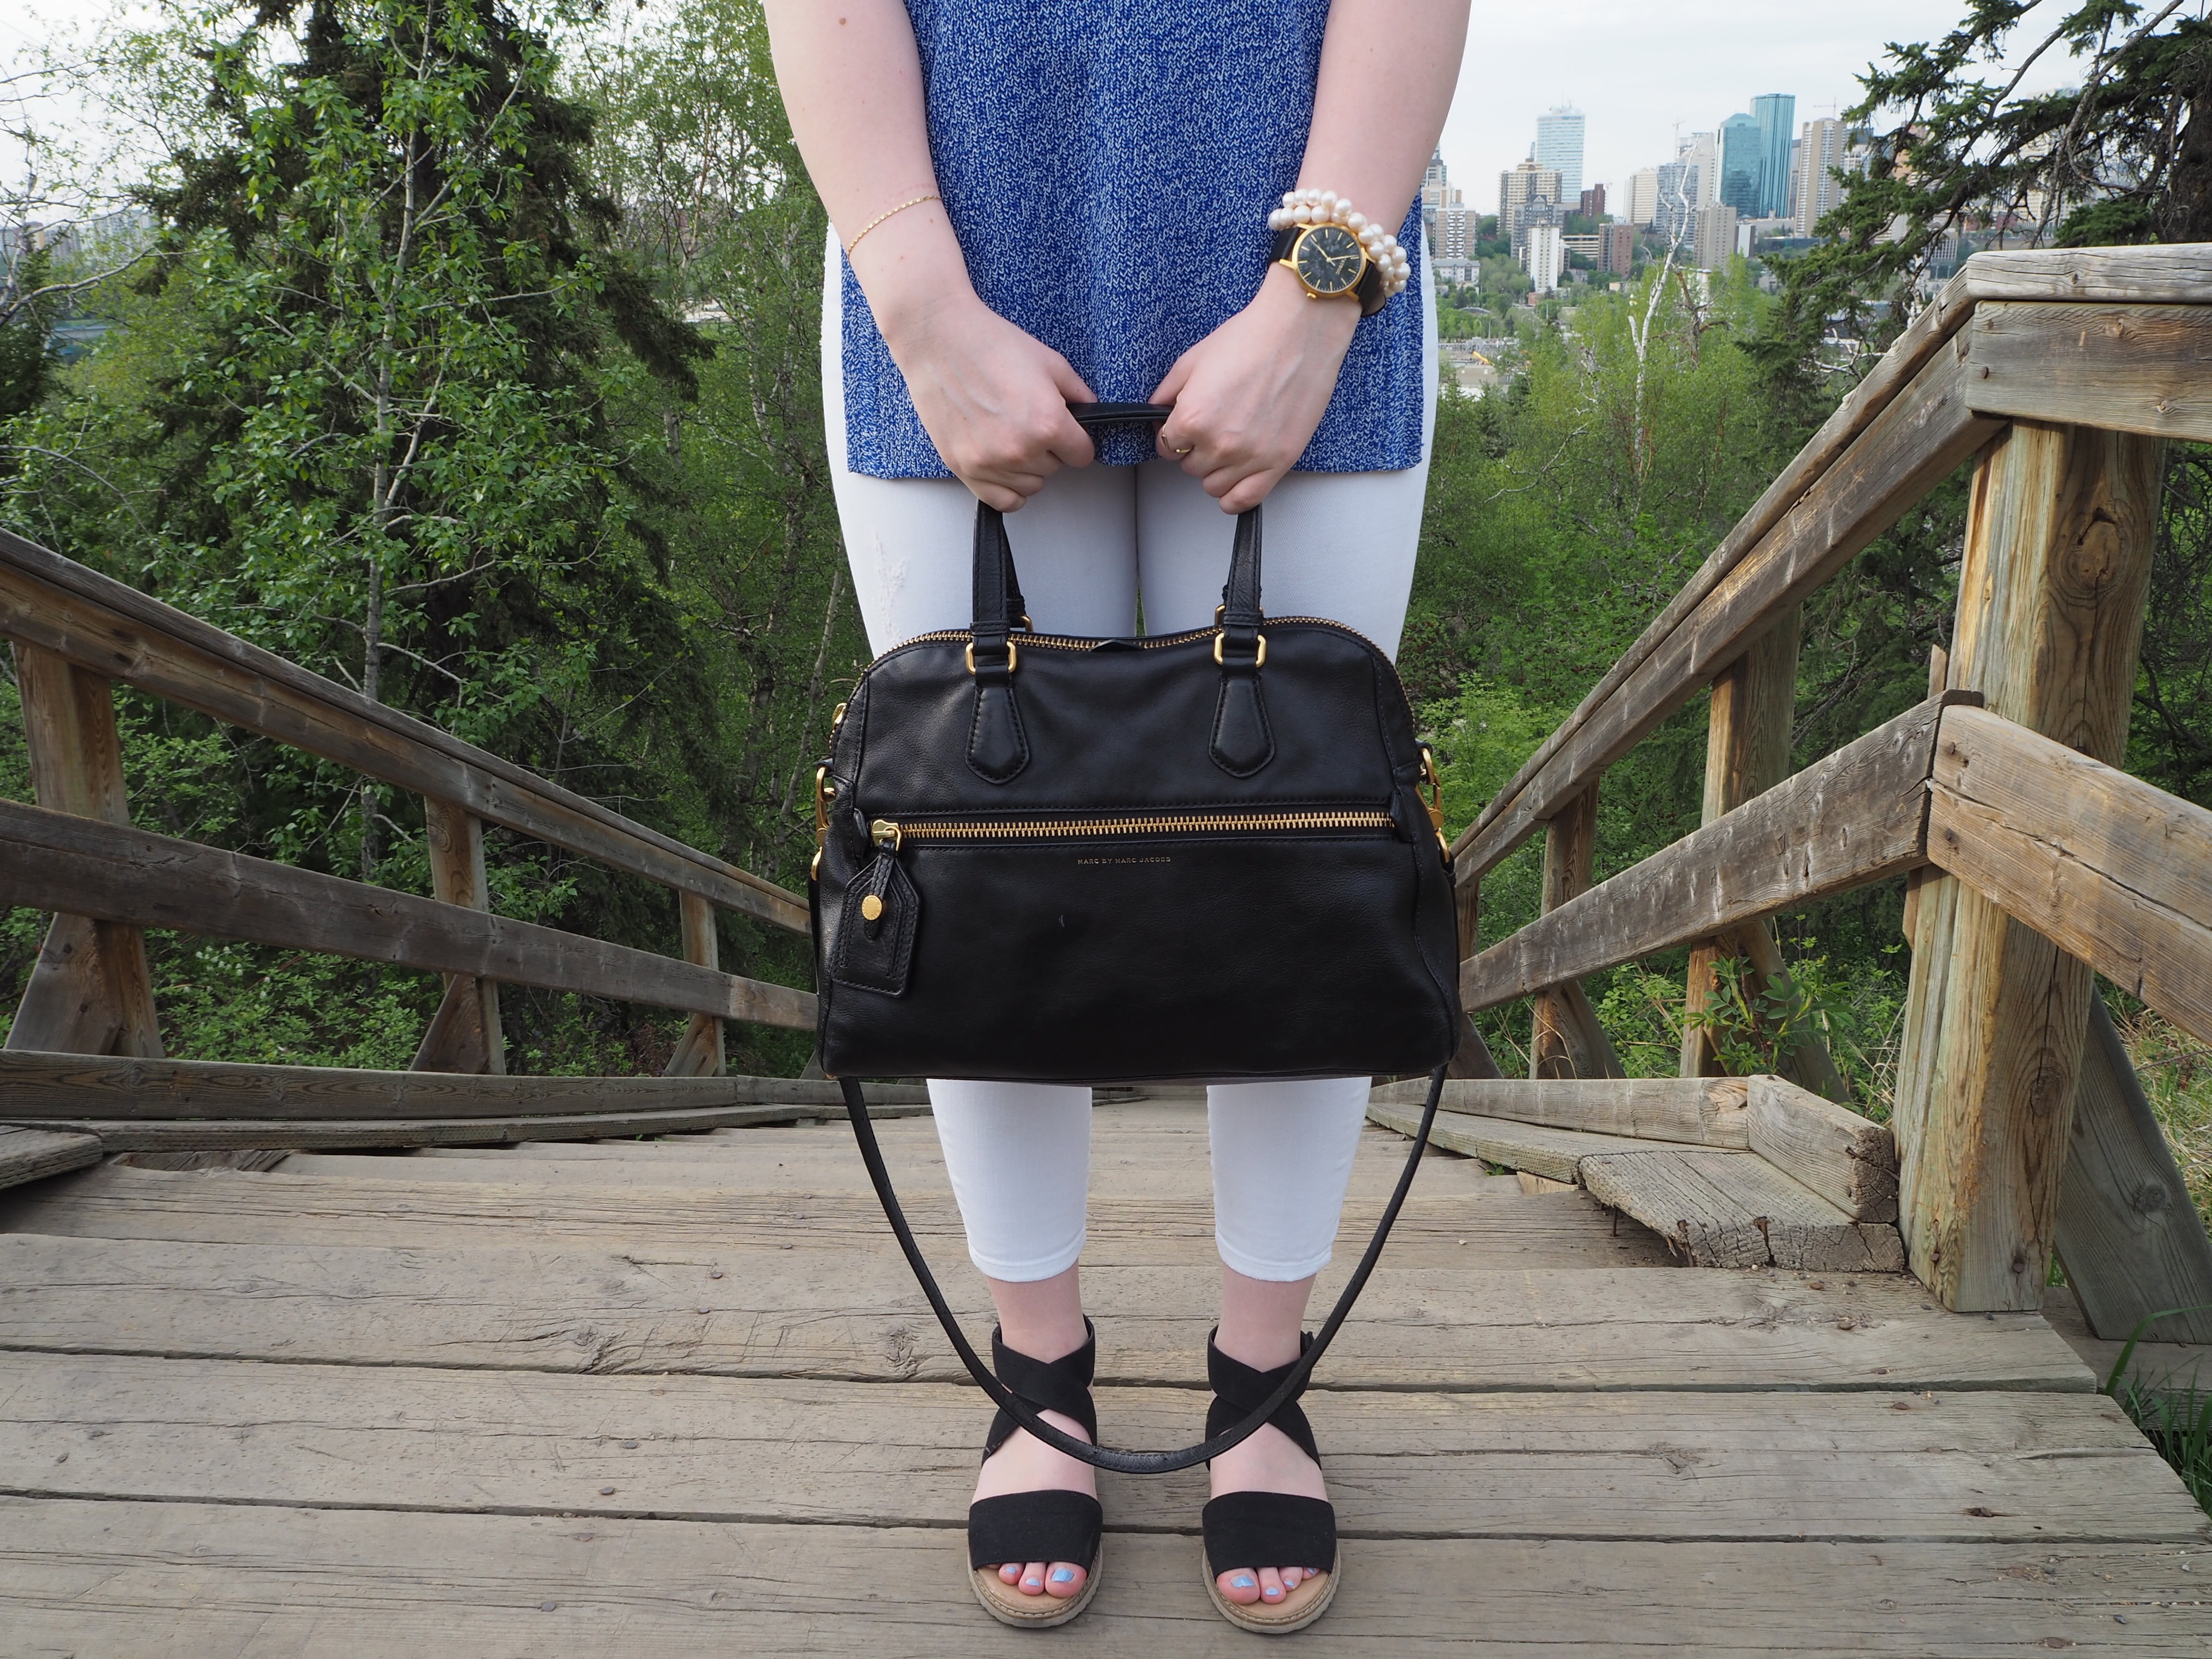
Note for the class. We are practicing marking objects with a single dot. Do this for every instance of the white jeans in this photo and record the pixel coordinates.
(1096, 548)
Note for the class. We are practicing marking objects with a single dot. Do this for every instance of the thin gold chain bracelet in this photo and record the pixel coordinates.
(889, 213)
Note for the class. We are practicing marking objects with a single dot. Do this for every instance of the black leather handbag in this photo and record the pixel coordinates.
(1216, 855)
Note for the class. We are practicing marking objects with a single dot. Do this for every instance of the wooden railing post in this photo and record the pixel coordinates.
(465, 1036)
(2060, 527)
(1473, 1058)
(90, 992)
(1565, 1040)
(1747, 754)
(699, 1050)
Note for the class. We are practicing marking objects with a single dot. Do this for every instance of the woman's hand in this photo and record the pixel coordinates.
(1247, 397)
(992, 398)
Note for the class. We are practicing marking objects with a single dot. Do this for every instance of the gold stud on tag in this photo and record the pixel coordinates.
(872, 908)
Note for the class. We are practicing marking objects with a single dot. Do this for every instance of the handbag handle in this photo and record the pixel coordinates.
(1109, 1457)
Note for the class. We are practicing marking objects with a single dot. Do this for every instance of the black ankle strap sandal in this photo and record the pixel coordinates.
(1037, 1526)
(1267, 1528)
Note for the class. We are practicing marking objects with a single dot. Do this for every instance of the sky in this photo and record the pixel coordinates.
(1637, 69)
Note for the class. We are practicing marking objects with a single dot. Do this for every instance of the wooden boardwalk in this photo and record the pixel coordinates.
(680, 1397)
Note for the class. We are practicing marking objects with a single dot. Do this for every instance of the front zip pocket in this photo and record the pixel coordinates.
(891, 834)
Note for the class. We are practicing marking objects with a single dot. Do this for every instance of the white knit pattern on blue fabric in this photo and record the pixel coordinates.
(1107, 166)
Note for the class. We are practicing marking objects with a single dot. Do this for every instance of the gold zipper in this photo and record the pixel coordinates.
(892, 835)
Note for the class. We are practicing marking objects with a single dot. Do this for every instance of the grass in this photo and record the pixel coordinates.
(2178, 1422)
(2176, 1069)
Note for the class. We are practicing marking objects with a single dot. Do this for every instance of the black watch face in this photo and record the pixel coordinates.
(1330, 259)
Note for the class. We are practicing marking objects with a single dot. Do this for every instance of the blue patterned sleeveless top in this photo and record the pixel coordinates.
(1109, 167)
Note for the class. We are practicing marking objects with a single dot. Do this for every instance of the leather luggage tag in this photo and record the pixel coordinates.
(875, 934)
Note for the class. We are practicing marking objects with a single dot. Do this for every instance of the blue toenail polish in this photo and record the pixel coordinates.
(1241, 1583)
(1063, 1577)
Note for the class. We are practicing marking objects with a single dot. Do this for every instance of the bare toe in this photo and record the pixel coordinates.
(1240, 1585)
(1009, 1572)
(1032, 1579)
(1065, 1579)
(1271, 1584)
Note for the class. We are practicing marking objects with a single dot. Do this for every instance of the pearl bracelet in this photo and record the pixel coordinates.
(1326, 207)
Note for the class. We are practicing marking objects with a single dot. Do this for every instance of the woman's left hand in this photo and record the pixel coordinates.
(1247, 397)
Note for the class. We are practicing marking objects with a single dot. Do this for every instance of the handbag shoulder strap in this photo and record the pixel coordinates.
(1109, 1457)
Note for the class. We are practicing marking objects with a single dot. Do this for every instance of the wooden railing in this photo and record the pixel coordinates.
(2033, 860)
(85, 1046)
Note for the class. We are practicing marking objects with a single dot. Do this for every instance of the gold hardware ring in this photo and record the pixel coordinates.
(1258, 661)
(1012, 655)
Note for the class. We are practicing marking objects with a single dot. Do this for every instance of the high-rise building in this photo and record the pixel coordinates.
(1701, 151)
(1713, 237)
(1742, 163)
(1820, 155)
(1593, 199)
(1776, 113)
(1680, 193)
(1531, 181)
(1436, 190)
(1559, 146)
(1543, 255)
(1642, 206)
(1619, 246)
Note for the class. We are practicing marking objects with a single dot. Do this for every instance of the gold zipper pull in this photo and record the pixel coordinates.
(886, 835)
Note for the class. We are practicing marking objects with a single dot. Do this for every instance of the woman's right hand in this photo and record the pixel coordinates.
(992, 398)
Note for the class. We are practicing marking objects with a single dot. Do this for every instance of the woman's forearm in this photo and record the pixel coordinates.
(851, 80)
(1388, 68)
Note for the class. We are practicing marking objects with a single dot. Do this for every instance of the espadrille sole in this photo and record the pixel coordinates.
(1294, 1612)
(1010, 1607)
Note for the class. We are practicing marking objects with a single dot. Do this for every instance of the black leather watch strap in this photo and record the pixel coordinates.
(1368, 290)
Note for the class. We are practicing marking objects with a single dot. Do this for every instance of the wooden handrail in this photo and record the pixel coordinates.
(1663, 670)
(114, 872)
(116, 631)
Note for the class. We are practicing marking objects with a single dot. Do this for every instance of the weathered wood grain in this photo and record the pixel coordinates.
(2177, 273)
(2112, 869)
(1736, 1210)
(1644, 1464)
(819, 1314)
(699, 1050)
(90, 989)
(2129, 1234)
(33, 1154)
(207, 1134)
(1697, 1111)
(1850, 819)
(2061, 523)
(1535, 1147)
(1565, 1039)
(1916, 440)
(465, 1034)
(45, 1086)
(1849, 1160)
(115, 874)
(188, 1581)
(1437, 1228)
(118, 632)
(2125, 368)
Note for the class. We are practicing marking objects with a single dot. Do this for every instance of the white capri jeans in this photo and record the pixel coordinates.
(1098, 548)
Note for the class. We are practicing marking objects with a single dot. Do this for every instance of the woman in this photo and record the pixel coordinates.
(1042, 204)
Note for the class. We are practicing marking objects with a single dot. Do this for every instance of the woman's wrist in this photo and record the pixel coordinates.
(1283, 300)
(913, 273)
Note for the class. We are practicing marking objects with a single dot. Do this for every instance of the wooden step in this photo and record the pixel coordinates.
(28, 1155)
(1648, 1465)
(1434, 1230)
(1698, 1111)
(1536, 1147)
(1736, 1210)
(197, 1579)
(817, 1313)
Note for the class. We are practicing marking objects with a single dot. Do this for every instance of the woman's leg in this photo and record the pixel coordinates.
(1018, 1154)
(1340, 545)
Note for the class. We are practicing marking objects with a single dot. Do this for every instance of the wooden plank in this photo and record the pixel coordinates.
(2124, 368)
(1565, 1040)
(1851, 1465)
(2129, 1234)
(745, 1227)
(1852, 818)
(90, 989)
(1697, 1111)
(2178, 273)
(116, 631)
(33, 1154)
(1917, 440)
(1736, 1210)
(2060, 527)
(1850, 1161)
(1535, 1147)
(830, 1314)
(1473, 1058)
(465, 1034)
(2160, 1367)
(166, 1581)
(184, 1134)
(38, 1087)
(119, 874)
(699, 1050)
(2112, 869)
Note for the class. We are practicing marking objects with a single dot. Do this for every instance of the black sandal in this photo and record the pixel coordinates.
(1274, 1529)
(1037, 1526)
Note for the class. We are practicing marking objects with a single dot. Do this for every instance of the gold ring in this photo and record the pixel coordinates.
(1186, 449)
